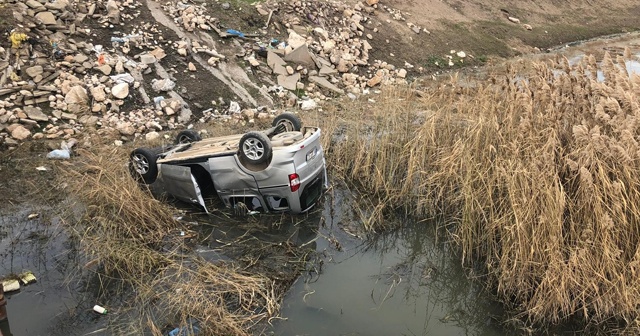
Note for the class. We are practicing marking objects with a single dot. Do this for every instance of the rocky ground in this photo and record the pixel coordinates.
(131, 68)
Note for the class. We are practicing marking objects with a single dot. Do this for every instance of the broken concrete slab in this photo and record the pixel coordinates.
(326, 84)
(289, 82)
(273, 59)
(301, 55)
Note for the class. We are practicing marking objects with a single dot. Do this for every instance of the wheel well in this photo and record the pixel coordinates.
(204, 180)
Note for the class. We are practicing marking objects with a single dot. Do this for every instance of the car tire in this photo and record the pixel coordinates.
(290, 121)
(143, 166)
(187, 136)
(255, 148)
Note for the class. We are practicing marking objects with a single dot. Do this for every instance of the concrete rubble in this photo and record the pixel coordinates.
(56, 83)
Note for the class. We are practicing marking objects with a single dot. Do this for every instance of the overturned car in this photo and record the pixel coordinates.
(281, 169)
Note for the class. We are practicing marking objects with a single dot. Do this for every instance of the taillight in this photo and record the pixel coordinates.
(294, 182)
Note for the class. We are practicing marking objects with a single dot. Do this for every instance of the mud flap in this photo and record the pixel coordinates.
(180, 183)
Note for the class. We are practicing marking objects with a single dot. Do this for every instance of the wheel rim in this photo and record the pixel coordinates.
(253, 148)
(288, 125)
(140, 164)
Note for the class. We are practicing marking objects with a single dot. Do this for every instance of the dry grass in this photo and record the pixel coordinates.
(540, 172)
(134, 238)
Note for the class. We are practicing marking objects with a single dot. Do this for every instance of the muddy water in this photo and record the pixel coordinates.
(400, 283)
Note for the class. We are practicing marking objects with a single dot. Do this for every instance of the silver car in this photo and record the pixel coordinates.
(276, 170)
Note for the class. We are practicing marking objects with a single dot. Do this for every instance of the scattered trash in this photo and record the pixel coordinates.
(17, 39)
(64, 153)
(157, 100)
(253, 212)
(234, 32)
(11, 285)
(122, 78)
(41, 168)
(27, 277)
(99, 309)
(59, 154)
(191, 329)
(32, 216)
(162, 84)
(234, 108)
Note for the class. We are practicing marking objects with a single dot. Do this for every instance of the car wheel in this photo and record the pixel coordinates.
(187, 136)
(142, 165)
(255, 148)
(287, 122)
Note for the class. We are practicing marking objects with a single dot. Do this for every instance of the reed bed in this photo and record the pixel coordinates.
(128, 235)
(539, 172)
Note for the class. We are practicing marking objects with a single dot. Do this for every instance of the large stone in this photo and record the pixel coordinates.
(113, 12)
(34, 71)
(35, 114)
(77, 95)
(375, 80)
(289, 82)
(152, 136)
(98, 93)
(147, 59)
(325, 83)
(105, 69)
(120, 91)
(301, 55)
(47, 18)
(295, 40)
(125, 128)
(57, 5)
(20, 133)
(80, 58)
(34, 4)
(372, 2)
(273, 59)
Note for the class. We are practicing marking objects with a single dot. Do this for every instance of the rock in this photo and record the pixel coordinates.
(527, 27)
(234, 108)
(254, 62)
(295, 40)
(46, 18)
(34, 4)
(289, 70)
(80, 58)
(105, 69)
(301, 56)
(325, 83)
(98, 94)
(152, 136)
(34, 71)
(402, 73)
(191, 67)
(147, 59)
(375, 80)
(329, 45)
(76, 99)
(120, 91)
(416, 29)
(126, 128)
(308, 104)
(20, 133)
(326, 70)
(461, 54)
(514, 20)
(113, 12)
(35, 114)
(372, 2)
(273, 59)
(289, 82)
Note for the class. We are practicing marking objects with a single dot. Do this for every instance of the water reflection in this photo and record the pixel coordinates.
(401, 283)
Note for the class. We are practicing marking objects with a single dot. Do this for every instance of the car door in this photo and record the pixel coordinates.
(180, 183)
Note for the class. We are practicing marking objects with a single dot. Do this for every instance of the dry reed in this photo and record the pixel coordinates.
(134, 238)
(540, 173)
